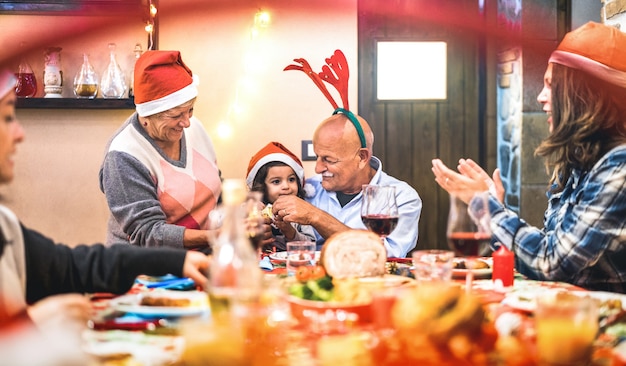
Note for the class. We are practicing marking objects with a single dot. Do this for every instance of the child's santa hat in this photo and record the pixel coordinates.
(7, 82)
(162, 82)
(274, 151)
(597, 49)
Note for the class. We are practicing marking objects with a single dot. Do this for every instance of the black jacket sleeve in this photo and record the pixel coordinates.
(56, 268)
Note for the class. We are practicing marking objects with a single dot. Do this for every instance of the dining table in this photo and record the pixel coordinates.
(124, 332)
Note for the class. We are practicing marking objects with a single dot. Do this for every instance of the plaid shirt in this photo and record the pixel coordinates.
(583, 241)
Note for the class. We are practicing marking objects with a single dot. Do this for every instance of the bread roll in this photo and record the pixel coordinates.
(354, 254)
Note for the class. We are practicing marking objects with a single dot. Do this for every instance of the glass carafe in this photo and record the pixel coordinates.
(26, 85)
(86, 80)
(113, 83)
(138, 51)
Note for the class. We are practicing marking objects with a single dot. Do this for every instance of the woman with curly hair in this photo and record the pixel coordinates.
(583, 240)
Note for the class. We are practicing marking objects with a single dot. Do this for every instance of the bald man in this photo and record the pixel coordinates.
(345, 163)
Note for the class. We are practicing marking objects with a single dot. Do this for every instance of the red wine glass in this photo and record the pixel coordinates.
(465, 236)
(468, 234)
(379, 210)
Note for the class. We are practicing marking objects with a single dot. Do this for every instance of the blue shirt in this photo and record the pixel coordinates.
(583, 241)
(402, 239)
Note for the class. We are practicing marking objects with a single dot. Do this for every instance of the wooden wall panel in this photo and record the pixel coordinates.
(409, 134)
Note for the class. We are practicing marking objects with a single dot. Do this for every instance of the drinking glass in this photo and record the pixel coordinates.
(433, 265)
(566, 326)
(468, 231)
(379, 210)
(469, 236)
(299, 254)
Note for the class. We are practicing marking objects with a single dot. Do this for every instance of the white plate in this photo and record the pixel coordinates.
(132, 304)
(478, 273)
(282, 256)
(525, 300)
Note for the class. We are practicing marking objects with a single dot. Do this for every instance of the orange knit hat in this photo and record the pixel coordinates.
(162, 82)
(274, 151)
(597, 49)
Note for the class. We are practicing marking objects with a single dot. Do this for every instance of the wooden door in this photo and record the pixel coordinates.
(409, 134)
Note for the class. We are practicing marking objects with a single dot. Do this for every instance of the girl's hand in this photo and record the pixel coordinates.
(285, 228)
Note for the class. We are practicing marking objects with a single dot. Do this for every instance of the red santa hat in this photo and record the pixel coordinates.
(7, 82)
(597, 49)
(162, 82)
(274, 151)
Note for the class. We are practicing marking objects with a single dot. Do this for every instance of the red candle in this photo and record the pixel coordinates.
(503, 265)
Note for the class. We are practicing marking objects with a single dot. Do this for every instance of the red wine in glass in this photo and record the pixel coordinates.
(469, 244)
(26, 85)
(381, 225)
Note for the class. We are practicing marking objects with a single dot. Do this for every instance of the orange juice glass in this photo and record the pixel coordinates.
(566, 326)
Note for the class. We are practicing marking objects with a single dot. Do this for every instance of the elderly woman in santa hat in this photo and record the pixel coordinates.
(34, 271)
(584, 236)
(160, 173)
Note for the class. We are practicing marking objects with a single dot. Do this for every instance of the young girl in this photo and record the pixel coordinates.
(275, 171)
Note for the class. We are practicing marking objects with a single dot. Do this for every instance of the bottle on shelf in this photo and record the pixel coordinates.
(235, 278)
(113, 84)
(131, 91)
(52, 73)
(86, 80)
(26, 85)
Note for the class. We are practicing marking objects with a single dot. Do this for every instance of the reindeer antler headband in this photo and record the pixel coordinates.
(338, 79)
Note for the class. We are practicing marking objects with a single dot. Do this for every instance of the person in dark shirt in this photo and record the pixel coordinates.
(35, 272)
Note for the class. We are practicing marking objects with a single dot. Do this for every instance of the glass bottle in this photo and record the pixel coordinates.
(235, 278)
(26, 85)
(113, 84)
(131, 87)
(86, 80)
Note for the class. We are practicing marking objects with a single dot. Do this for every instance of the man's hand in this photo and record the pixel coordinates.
(293, 209)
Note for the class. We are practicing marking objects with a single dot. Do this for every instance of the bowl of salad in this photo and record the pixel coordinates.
(316, 299)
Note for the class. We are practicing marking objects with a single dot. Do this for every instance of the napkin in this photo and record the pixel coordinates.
(169, 282)
(266, 264)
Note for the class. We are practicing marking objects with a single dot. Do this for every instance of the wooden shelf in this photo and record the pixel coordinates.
(75, 103)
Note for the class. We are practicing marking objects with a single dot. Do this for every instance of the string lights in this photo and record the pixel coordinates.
(152, 12)
(252, 64)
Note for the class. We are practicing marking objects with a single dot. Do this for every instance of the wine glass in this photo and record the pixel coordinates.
(468, 232)
(379, 210)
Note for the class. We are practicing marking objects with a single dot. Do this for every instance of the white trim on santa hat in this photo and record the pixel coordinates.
(169, 101)
(593, 67)
(276, 156)
(7, 82)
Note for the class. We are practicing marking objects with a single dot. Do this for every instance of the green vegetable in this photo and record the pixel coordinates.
(317, 290)
(617, 330)
(325, 283)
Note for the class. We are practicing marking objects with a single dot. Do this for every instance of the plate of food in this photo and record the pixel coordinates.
(481, 267)
(281, 257)
(163, 303)
(608, 303)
